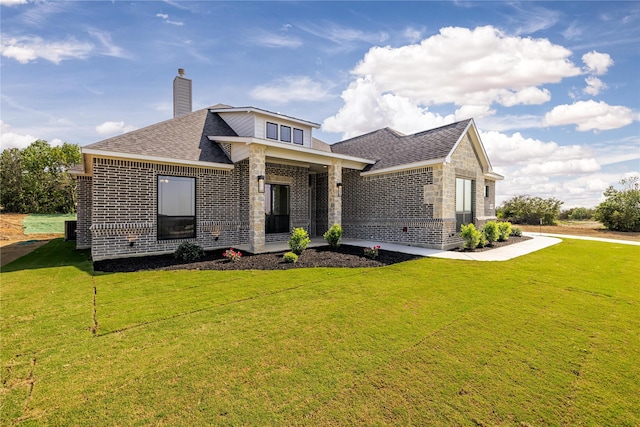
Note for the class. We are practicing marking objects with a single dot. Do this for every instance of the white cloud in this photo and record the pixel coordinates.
(559, 167)
(460, 65)
(9, 139)
(25, 49)
(594, 86)
(12, 2)
(590, 115)
(413, 34)
(472, 69)
(112, 128)
(366, 109)
(516, 150)
(166, 19)
(596, 62)
(291, 89)
(276, 40)
(344, 38)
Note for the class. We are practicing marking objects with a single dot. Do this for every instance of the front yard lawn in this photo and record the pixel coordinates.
(552, 338)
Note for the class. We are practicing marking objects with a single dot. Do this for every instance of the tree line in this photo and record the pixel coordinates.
(36, 179)
(619, 212)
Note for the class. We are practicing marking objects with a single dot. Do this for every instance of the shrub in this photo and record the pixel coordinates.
(372, 252)
(491, 232)
(516, 232)
(333, 235)
(504, 230)
(188, 252)
(482, 242)
(299, 240)
(470, 235)
(232, 255)
(290, 257)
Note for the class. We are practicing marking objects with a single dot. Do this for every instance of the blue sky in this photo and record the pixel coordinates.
(554, 87)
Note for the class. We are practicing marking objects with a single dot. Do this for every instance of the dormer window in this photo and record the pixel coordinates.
(297, 136)
(272, 130)
(285, 133)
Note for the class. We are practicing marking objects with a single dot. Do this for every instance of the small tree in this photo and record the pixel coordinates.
(299, 240)
(621, 210)
(333, 236)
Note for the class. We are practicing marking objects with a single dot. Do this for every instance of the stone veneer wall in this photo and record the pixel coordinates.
(490, 202)
(297, 178)
(85, 193)
(125, 206)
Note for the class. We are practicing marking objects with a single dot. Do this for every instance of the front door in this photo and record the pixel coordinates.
(276, 205)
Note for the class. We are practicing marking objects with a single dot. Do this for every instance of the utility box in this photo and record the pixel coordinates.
(70, 230)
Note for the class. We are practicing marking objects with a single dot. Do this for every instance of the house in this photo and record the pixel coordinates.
(227, 176)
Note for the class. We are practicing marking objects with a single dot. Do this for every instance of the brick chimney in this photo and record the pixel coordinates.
(181, 94)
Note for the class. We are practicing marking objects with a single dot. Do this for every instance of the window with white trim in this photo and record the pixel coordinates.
(272, 130)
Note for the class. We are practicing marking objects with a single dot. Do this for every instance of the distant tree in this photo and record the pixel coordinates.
(530, 210)
(576, 214)
(36, 179)
(621, 210)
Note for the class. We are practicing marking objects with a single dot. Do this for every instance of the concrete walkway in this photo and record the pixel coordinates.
(504, 253)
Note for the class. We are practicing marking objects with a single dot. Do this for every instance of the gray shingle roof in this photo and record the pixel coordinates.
(180, 138)
(390, 148)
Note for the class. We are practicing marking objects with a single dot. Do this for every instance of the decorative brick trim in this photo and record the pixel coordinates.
(161, 167)
(427, 170)
(118, 229)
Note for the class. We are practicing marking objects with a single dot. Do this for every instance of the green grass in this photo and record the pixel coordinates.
(46, 224)
(552, 338)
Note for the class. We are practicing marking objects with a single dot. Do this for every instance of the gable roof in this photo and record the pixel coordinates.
(221, 108)
(180, 138)
(390, 148)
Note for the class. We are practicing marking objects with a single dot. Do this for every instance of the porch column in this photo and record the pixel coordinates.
(335, 200)
(256, 199)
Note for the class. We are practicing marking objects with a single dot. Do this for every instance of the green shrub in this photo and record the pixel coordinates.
(516, 232)
(482, 242)
(470, 235)
(299, 240)
(188, 252)
(290, 257)
(621, 210)
(504, 230)
(491, 232)
(333, 235)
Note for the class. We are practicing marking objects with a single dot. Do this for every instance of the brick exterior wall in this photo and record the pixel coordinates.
(85, 194)
(416, 206)
(124, 201)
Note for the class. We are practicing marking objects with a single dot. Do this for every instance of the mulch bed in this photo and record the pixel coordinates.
(345, 256)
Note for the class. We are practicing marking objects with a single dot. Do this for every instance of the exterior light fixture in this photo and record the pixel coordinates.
(339, 185)
(260, 183)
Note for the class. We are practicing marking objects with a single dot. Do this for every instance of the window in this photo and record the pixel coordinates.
(276, 206)
(176, 207)
(486, 191)
(272, 130)
(285, 133)
(464, 202)
(297, 136)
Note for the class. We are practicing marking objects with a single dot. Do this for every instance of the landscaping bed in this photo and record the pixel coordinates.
(345, 256)
(495, 245)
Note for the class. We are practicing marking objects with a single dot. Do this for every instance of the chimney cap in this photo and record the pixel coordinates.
(181, 72)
